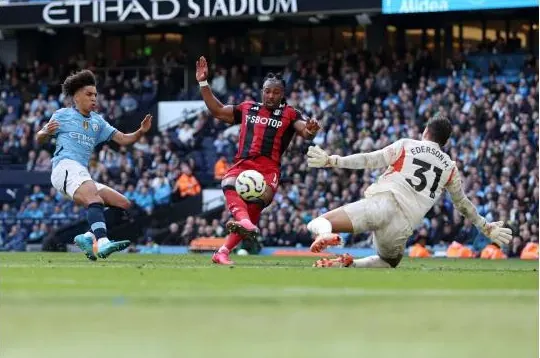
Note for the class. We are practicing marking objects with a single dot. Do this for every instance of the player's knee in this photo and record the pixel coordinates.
(394, 261)
(85, 198)
(92, 199)
(228, 184)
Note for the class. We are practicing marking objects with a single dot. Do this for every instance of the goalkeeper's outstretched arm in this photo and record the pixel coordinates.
(495, 231)
(372, 160)
(461, 202)
(318, 158)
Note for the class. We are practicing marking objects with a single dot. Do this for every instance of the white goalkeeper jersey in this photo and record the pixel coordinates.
(418, 173)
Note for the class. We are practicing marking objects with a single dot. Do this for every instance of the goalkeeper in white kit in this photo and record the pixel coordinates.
(418, 173)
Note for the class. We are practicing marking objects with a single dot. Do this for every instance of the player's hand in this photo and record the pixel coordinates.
(202, 69)
(312, 126)
(497, 233)
(146, 124)
(51, 127)
(318, 158)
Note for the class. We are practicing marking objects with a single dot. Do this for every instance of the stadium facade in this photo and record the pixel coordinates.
(263, 32)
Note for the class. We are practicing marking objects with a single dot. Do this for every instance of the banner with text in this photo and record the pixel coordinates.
(417, 6)
(96, 12)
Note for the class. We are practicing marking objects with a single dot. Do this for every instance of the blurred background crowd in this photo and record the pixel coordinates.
(364, 101)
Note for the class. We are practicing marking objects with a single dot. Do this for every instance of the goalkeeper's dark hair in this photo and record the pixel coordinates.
(439, 128)
(276, 78)
(77, 81)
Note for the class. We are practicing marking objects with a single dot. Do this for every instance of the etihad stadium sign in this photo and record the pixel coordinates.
(95, 12)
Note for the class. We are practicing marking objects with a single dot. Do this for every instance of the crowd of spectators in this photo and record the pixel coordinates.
(365, 102)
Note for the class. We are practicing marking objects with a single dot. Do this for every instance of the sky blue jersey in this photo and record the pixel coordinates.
(77, 135)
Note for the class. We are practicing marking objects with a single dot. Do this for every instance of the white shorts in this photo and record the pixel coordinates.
(68, 176)
(381, 214)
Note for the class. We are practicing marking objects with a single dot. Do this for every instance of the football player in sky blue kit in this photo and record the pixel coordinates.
(78, 130)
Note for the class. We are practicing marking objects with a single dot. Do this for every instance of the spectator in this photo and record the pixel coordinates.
(15, 240)
(173, 236)
(219, 83)
(58, 214)
(187, 184)
(221, 144)
(162, 191)
(7, 212)
(128, 103)
(38, 194)
(10, 117)
(38, 233)
(43, 162)
(32, 212)
(185, 135)
(220, 168)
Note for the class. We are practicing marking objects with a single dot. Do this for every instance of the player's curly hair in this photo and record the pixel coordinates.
(440, 128)
(277, 78)
(77, 81)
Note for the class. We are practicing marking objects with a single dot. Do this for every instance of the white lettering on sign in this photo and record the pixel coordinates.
(413, 6)
(56, 12)
(70, 11)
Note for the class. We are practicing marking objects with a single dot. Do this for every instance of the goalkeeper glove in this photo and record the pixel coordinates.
(318, 158)
(497, 233)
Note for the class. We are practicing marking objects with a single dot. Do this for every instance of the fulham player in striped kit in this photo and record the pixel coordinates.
(266, 129)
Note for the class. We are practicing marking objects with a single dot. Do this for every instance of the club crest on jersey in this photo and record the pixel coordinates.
(277, 112)
(95, 127)
(85, 125)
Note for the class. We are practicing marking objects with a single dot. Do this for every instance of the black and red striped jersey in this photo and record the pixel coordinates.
(264, 132)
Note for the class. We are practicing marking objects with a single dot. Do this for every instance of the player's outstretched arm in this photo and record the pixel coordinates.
(318, 158)
(130, 138)
(495, 231)
(47, 131)
(216, 108)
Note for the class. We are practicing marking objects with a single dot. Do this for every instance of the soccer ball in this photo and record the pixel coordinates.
(250, 185)
(242, 252)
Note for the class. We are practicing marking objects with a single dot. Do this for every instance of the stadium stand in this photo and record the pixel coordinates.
(364, 100)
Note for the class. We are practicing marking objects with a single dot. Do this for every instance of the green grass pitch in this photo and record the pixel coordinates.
(61, 305)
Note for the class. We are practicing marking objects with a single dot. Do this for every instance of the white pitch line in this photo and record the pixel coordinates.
(289, 292)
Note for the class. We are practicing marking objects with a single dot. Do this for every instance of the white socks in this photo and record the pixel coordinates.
(371, 261)
(319, 226)
(103, 241)
(100, 242)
